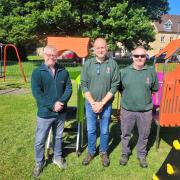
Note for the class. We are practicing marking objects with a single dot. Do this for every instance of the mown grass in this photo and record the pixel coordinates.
(17, 126)
(14, 77)
(34, 58)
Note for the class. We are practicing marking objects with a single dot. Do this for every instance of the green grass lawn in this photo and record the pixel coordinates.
(17, 126)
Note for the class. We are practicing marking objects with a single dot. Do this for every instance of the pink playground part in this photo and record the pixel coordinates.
(157, 96)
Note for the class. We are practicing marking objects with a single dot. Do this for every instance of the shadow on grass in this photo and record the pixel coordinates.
(169, 134)
(11, 85)
(114, 136)
(71, 132)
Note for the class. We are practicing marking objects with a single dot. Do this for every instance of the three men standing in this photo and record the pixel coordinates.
(100, 78)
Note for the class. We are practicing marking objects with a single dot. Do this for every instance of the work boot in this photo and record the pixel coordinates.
(87, 159)
(38, 169)
(142, 162)
(124, 159)
(105, 159)
(60, 162)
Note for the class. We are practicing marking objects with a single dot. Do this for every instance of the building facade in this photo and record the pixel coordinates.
(167, 29)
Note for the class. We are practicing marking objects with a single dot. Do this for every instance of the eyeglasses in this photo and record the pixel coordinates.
(98, 68)
(137, 55)
(49, 55)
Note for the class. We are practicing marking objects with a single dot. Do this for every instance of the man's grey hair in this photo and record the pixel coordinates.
(49, 47)
(138, 47)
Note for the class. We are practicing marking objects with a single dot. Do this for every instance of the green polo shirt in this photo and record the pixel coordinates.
(100, 78)
(137, 87)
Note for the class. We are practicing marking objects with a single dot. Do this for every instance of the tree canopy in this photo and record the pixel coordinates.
(127, 21)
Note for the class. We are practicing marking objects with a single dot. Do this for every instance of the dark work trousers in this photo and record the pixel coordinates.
(143, 121)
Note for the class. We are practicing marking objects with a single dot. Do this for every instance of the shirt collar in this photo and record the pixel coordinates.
(131, 67)
(45, 66)
(105, 61)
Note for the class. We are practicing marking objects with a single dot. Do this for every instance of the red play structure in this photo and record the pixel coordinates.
(19, 61)
(76, 44)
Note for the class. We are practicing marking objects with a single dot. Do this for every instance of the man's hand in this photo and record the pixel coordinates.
(58, 106)
(97, 107)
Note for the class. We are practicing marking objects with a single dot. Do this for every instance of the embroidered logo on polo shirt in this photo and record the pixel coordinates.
(147, 80)
(108, 70)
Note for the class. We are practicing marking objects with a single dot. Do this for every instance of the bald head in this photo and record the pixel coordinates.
(100, 49)
(101, 41)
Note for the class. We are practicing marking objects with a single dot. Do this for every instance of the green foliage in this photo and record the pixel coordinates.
(128, 21)
(131, 29)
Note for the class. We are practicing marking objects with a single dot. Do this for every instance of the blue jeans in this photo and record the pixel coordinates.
(104, 120)
(42, 131)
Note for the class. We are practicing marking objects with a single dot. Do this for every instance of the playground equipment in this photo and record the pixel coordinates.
(167, 107)
(1, 61)
(3, 70)
(168, 114)
(170, 49)
(170, 169)
(80, 47)
(166, 102)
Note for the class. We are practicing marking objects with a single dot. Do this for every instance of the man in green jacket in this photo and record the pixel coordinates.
(138, 82)
(99, 82)
(51, 88)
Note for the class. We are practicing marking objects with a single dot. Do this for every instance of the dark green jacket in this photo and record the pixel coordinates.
(136, 87)
(47, 90)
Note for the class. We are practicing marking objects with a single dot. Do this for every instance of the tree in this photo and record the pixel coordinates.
(132, 29)
(28, 21)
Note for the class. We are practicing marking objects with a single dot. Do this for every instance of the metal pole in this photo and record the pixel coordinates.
(81, 110)
(1, 60)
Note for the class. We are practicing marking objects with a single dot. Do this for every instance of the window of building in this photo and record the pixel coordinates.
(162, 38)
(168, 25)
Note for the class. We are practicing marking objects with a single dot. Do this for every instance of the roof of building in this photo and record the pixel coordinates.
(167, 19)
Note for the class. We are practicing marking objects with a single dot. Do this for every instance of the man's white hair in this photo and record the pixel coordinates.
(49, 47)
(138, 47)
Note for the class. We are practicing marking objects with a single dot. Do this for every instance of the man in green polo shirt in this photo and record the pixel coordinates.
(99, 82)
(138, 82)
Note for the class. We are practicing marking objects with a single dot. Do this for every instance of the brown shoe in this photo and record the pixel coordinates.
(142, 162)
(124, 159)
(105, 159)
(87, 159)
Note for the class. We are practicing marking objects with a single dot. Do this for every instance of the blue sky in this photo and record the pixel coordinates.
(174, 7)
